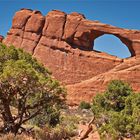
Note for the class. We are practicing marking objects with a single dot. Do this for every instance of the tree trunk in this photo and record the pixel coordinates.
(9, 125)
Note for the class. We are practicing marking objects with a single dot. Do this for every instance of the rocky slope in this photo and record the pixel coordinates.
(64, 43)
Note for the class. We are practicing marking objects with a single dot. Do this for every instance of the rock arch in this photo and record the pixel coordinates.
(52, 40)
(72, 28)
(112, 45)
(129, 38)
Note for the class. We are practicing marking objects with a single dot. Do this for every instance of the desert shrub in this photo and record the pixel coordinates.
(66, 129)
(84, 105)
(69, 124)
(117, 112)
(54, 133)
(26, 86)
(52, 118)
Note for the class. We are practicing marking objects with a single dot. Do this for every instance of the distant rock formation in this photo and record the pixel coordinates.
(64, 43)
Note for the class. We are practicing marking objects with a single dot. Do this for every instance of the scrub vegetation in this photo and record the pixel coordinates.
(32, 105)
(117, 112)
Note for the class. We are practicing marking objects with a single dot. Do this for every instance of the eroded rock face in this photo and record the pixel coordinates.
(64, 43)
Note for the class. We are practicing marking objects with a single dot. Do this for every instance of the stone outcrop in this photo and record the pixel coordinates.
(64, 43)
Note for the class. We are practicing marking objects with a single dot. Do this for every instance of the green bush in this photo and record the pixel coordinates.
(27, 87)
(117, 112)
(52, 118)
(84, 105)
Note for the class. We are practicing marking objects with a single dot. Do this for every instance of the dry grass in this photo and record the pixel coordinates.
(68, 127)
(11, 136)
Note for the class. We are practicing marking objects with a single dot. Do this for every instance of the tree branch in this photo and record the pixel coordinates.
(32, 116)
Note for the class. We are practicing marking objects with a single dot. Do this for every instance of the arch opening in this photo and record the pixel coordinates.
(112, 45)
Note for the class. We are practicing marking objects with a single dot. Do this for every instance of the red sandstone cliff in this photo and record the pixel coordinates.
(63, 42)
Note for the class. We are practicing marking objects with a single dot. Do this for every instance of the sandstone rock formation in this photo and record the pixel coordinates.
(64, 43)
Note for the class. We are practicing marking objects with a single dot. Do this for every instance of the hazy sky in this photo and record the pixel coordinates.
(122, 13)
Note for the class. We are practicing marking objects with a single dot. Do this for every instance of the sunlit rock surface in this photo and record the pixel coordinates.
(64, 43)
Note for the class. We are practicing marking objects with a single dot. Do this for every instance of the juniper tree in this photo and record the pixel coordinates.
(26, 90)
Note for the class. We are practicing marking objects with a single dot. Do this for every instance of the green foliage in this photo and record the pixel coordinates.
(52, 118)
(11, 53)
(69, 122)
(66, 129)
(84, 105)
(116, 94)
(27, 86)
(117, 112)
